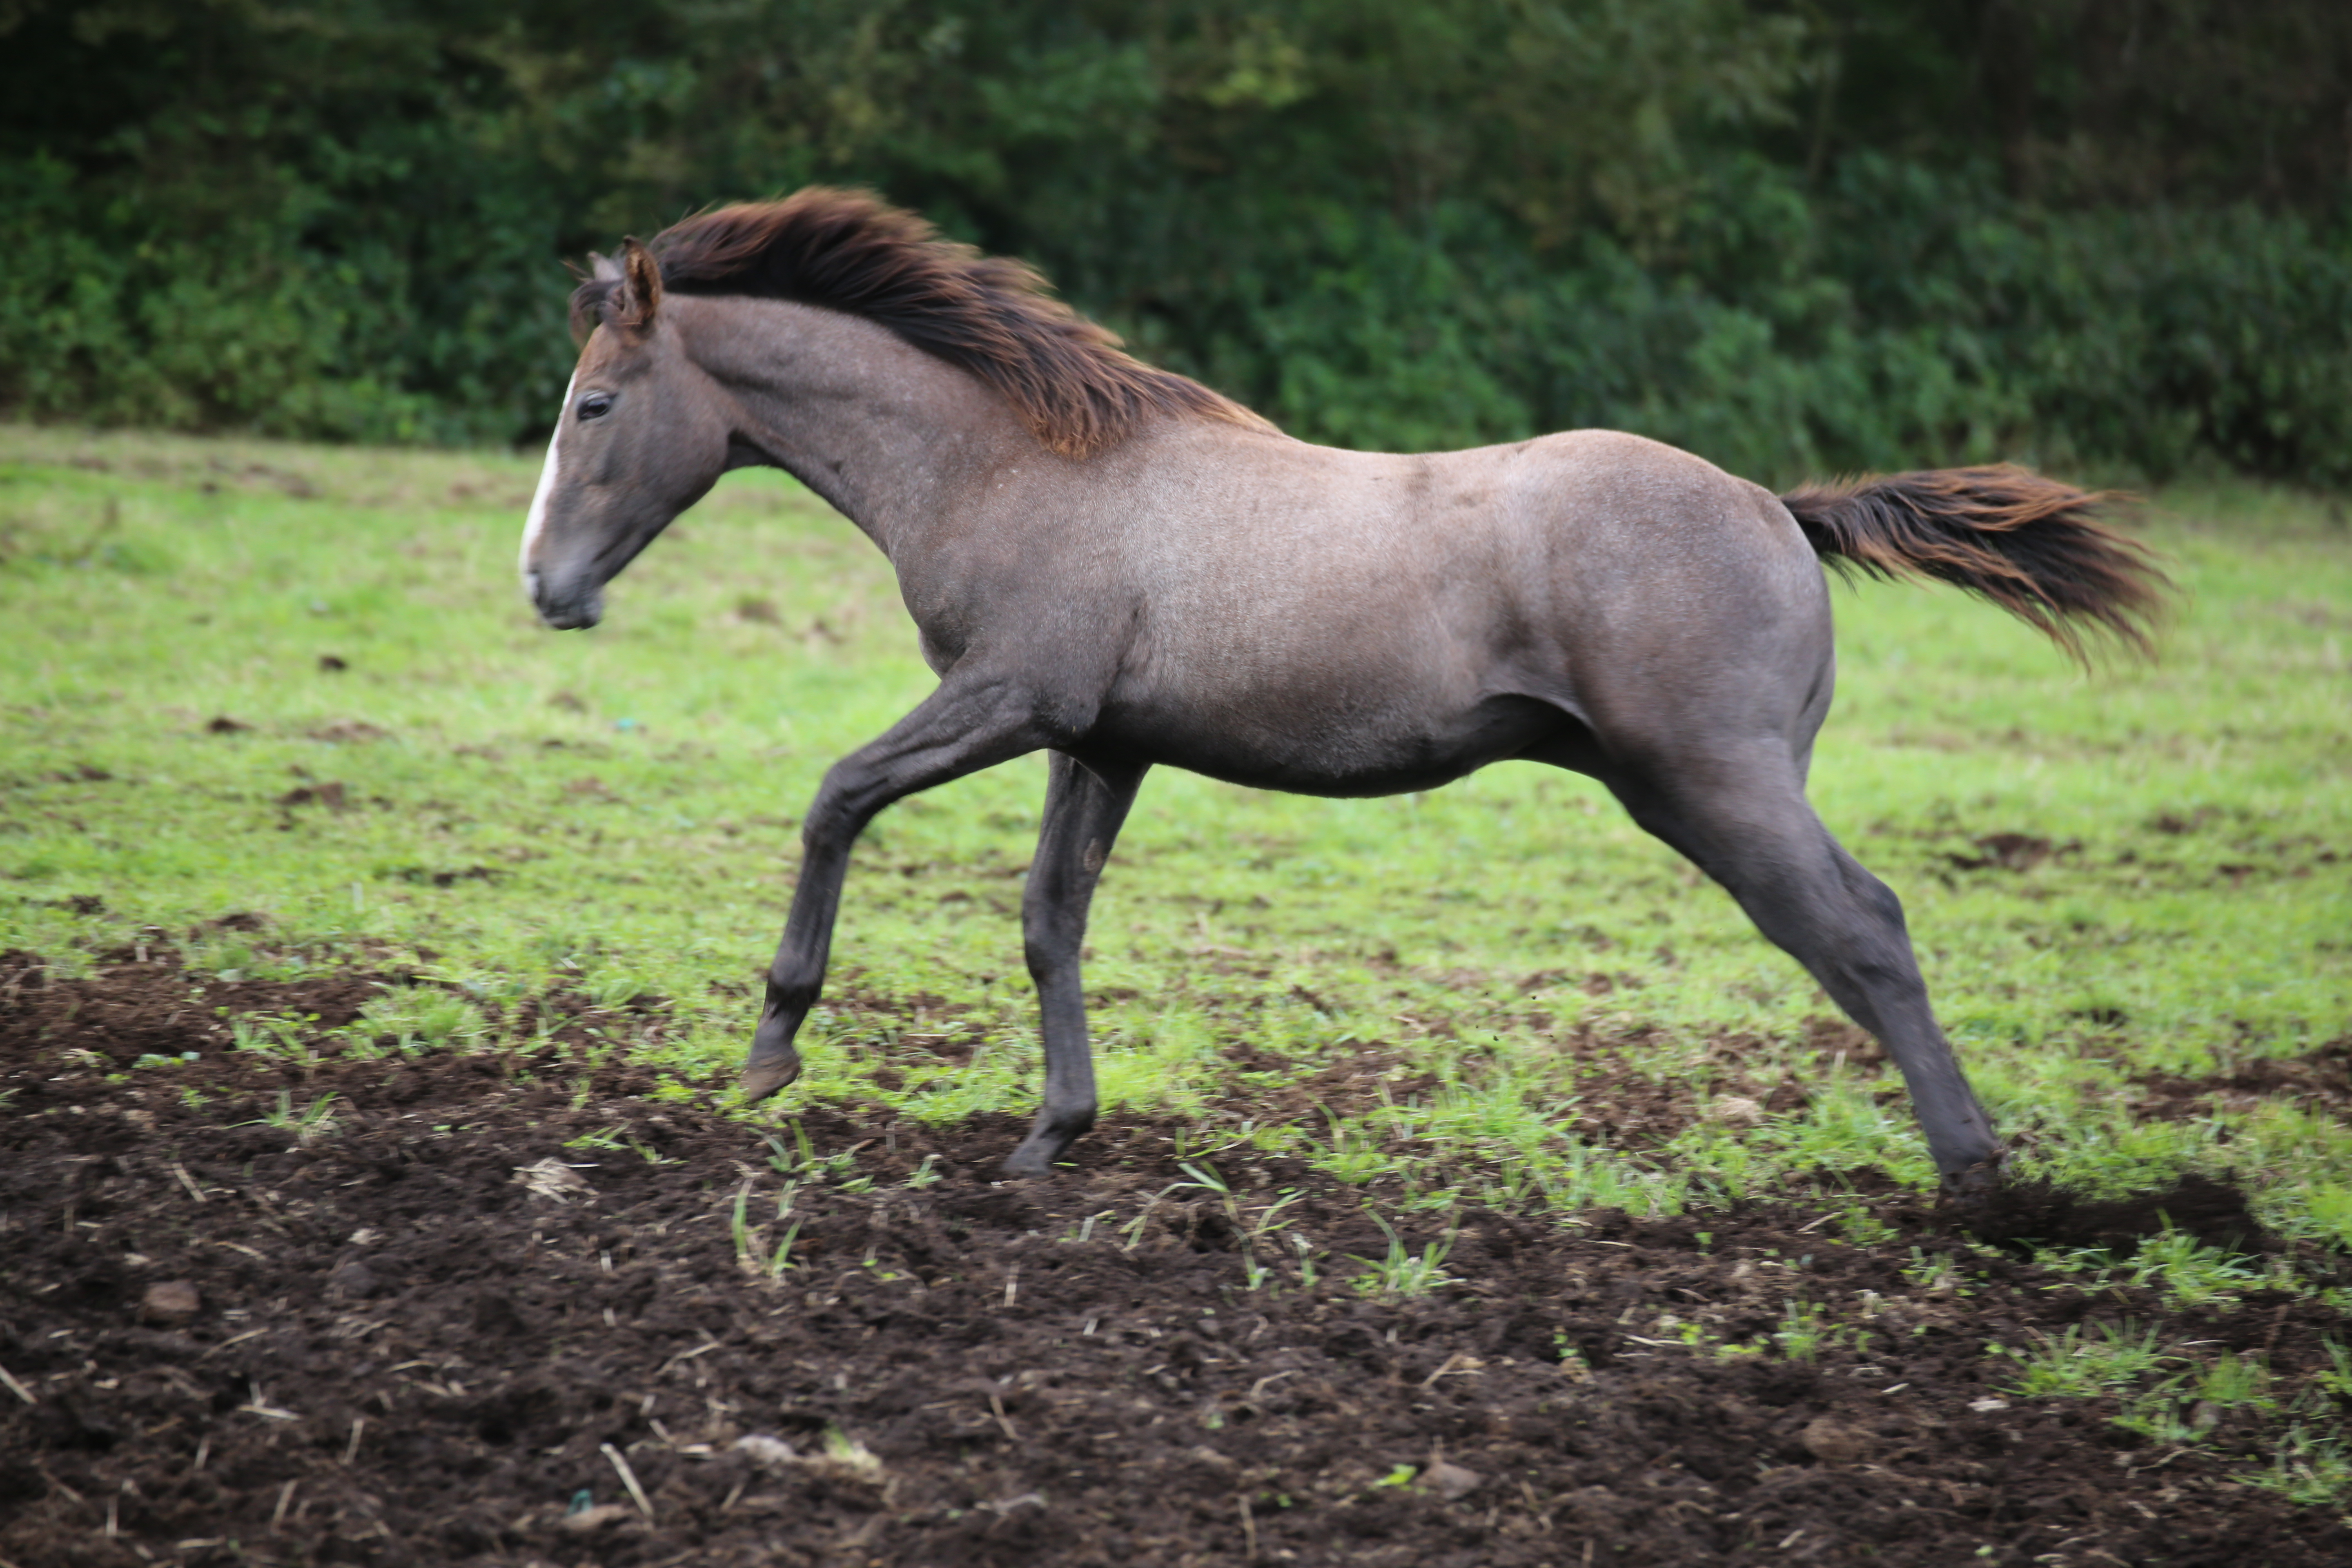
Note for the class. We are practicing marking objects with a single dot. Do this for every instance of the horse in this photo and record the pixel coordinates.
(1118, 565)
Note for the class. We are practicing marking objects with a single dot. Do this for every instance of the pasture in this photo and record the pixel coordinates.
(1476, 1186)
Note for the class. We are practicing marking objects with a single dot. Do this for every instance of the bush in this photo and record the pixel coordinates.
(1388, 223)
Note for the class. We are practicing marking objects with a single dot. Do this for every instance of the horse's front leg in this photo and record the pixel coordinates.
(966, 725)
(1085, 804)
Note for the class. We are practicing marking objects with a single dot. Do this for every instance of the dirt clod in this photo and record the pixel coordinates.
(1736, 1110)
(169, 1303)
(2211, 1212)
(350, 732)
(354, 1279)
(1834, 1443)
(588, 1520)
(331, 795)
(768, 1453)
(1450, 1480)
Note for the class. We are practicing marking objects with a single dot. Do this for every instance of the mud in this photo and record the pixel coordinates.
(2030, 1214)
(436, 1321)
(2321, 1079)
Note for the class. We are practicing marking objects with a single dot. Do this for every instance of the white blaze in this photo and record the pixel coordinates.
(538, 518)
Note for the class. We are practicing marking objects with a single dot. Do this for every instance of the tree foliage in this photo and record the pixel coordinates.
(1819, 233)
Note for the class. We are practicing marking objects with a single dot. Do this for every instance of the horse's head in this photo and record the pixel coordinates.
(643, 434)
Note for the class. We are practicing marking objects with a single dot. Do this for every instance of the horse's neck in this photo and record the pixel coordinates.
(891, 436)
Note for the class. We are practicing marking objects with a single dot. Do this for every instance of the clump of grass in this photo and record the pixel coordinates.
(1402, 1272)
(802, 1162)
(2184, 1271)
(2176, 1399)
(268, 1034)
(1352, 1154)
(2310, 1468)
(1250, 1233)
(2081, 1364)
(2336, 1380)
(420, 1018)
(1806, 1329)
(2189, 1274)
(2183, 1408)
(314, 1121)
(1857, 1226)
(1938, 1276)
(614, 989)
(753, 1252)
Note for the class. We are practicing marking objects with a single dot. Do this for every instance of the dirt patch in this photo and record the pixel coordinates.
(2010, 852)
(144, 1004)
(2213, 1212)
(2320, 1079)
(438, 1319)
(1613, 1099)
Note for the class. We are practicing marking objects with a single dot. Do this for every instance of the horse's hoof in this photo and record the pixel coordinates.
(1026, 1162)
(1037, 1155)
(1975, 1184)
(767, 1072)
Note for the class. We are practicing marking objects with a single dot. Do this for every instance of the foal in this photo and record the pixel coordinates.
(1119, 565)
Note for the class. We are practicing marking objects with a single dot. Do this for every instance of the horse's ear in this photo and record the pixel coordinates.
(604, 268)
(639, 299)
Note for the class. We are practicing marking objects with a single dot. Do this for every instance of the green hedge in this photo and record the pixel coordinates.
(1386, 224)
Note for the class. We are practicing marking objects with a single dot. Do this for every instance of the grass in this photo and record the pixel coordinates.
(2176, 1398)
(1402, 1271)
(301, 681)
(314, 1121)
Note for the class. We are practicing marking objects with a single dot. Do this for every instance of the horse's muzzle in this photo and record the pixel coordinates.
(567, 609)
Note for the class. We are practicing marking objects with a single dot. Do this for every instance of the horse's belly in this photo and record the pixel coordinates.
(1335, 750)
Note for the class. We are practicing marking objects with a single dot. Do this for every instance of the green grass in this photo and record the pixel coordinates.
(615, 812)
(2177, 1397)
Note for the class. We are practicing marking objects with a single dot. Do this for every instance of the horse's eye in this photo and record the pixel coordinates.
(595, 405)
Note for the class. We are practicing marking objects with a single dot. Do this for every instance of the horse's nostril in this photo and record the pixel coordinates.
(565, 610)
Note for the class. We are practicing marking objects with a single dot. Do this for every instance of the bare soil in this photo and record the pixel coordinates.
(438, 1325)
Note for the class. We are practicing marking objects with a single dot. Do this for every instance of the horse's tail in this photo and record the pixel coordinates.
(2032, 545)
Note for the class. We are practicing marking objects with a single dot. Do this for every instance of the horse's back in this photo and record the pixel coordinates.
(1316, 601)
(1583, 533)
(1577, 490)
(1595, 545)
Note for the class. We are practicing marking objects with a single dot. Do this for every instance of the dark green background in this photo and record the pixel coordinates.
(2099, 234)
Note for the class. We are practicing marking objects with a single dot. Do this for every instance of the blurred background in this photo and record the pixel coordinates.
(2110, 236)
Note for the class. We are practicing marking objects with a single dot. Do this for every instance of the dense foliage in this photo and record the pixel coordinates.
(1797, 236)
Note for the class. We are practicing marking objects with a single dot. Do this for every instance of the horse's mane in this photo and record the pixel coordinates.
(850, 251)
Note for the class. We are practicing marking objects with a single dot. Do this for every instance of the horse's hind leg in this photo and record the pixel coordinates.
(1084, 806)
(1741, 815)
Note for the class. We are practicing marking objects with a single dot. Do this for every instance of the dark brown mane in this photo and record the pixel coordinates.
(849, 251)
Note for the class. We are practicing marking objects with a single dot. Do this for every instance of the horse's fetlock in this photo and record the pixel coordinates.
(793, 998)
